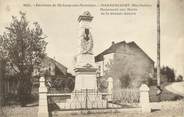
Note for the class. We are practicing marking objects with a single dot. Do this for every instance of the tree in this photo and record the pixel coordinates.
(168, 73)
(180, 78)
(23, 46)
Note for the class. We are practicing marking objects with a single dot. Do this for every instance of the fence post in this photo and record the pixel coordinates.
(144, 98)
(43, 104)
(110, 88)
(86, 99)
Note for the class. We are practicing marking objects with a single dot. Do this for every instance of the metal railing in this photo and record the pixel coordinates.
(79, 100)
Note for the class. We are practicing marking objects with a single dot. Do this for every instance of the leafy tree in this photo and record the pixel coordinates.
(64, 84)
(23, 46)
(168, 73)
(180, 78)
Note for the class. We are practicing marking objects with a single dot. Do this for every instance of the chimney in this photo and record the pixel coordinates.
(113, 42)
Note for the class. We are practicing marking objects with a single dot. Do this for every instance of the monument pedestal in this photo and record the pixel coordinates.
(85, 94)
(85, 70)
(85, 79)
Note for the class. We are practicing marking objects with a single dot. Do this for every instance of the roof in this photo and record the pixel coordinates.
(62, 68)
(134, 44)
(115, 46)
(46, 60)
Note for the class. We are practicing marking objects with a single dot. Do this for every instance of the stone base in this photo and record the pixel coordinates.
(146, 108)
(85, 70)
(85, 80)
(43, 114)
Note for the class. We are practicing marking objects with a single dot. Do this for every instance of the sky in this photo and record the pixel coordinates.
(62, 28)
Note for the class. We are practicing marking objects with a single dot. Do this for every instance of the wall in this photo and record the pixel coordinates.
(133, 64)
(129, 66)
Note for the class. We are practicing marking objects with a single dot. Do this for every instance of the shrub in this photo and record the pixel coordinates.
(127, 95)
(102, 84)
(179, 78)
(152, 82)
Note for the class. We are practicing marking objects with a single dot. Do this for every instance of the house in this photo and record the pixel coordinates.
(53, 70)
(9, 78)
(56, 75)
(126, 63)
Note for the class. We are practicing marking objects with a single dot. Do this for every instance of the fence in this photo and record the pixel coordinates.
(91, 99)
(127, 96)
(79, 100)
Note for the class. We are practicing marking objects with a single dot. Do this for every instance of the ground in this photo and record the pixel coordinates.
(168, 109)
(17, 111)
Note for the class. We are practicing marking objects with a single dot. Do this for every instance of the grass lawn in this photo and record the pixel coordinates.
(17, 111)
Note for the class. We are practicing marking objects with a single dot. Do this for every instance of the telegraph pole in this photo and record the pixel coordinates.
(158, 48)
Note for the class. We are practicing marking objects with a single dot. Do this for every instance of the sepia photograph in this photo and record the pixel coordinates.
(91, 58)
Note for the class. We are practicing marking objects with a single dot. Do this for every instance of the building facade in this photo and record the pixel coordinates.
(126, 63)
